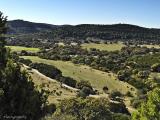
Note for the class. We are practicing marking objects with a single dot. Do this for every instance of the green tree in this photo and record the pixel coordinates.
(3, 51)
(18, 96)
(143, 74)
(115, 95)
(149, 110)
(85, 109)
(156, 67)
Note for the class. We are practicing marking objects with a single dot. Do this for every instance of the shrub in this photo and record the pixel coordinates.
(85, 91)
(85, 109)
(25, 61)
(82, 84)
(156, 67)
(68, 81)
(119, 116)
(115, 95)
(143, 74)
(105, 89)
(118, 108)
(47, 70)
(129, 94)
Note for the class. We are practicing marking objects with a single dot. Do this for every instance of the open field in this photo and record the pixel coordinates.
(151, 46)
(155, 75)
(97, 78)
(60, 44)
(20, 48)
(102, 46)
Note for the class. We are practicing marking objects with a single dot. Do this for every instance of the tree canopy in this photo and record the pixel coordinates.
(149, 110)
(18, 95)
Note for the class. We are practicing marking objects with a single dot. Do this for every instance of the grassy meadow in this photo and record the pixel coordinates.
(102, 46)
(20, 48)
(97, 78)
(151, 46)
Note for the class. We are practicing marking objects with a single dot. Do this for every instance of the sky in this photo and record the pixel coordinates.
(144, 13)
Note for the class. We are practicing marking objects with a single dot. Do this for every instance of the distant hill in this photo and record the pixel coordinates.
(26, 32)
(21, 26)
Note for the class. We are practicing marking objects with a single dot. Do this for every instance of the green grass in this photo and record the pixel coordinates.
(102, 46)
(20, 48)
(60, 44)
(154, 75)
(151, 46)
(97, 78)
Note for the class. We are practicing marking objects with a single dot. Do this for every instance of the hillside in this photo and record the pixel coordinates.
(26, 27)
(21, 26)
(98, 79)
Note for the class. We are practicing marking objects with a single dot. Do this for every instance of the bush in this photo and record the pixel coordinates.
(49, 109)
(119, 116)
(85, 91)
(156, 67)
(85, 109)
(105, 89)
(119, 108)
(115, 95)
(143, 74)
(47, 70)
(25, 61)
(129, 94)
(123, 75)
(82, 84)
(68, 81)
(24, 53)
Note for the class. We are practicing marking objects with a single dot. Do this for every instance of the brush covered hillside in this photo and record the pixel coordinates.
(38, 34)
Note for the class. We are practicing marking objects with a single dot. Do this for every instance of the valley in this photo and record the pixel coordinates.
(70, 72)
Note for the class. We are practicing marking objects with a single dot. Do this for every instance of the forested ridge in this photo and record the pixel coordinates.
(26, 33)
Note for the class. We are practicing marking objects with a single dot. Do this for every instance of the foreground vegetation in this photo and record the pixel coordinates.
(18, 95)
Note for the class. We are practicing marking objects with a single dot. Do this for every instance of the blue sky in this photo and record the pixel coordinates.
(140, 12)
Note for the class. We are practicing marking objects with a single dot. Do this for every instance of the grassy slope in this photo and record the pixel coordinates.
(53, 97)
(102, 46)
(20, 48)
(97, 78)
